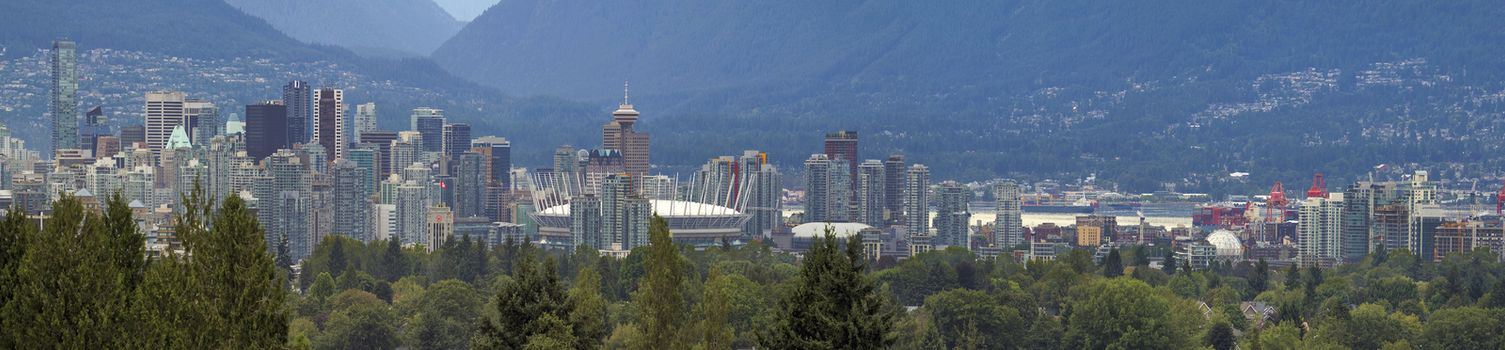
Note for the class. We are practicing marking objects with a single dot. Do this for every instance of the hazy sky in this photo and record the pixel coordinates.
(465, 10)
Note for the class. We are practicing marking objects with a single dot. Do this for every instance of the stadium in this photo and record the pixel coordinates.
(690, 222)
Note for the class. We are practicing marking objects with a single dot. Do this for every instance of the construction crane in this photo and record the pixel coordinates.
(1275, 210)
(1319, 187)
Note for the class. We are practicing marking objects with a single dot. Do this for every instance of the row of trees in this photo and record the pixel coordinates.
(77, 278)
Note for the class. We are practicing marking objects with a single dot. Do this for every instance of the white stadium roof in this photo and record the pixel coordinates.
(664, 208)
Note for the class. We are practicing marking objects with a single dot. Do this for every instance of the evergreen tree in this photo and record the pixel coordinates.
(337, 261)
(69, 291)
(521, 305)
(588, 314)
(15, 233)
(1113, 264)
(1220, 337)
(1259, 279)
(659, 294)
(833, 304)
(1293, 277)
(1169, 265)
(394, 264)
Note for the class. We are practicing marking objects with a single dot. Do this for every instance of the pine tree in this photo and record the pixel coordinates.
(1259, 279)
(15, 233)
(394, 264)
(69, 291)
(833, 304)
(1169, 265)
(659, 293)
(1113, 264)
(520, 306)
(716, 332)
(1293, 277)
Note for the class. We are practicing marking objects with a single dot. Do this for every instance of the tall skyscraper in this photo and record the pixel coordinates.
(827, 193)
(498, 154)
(765, 195)
(285, 206)
(893, 188)
(1008, 224)
(298, 97)
(131, 135)
(352, 198)
(952, 215)
(871, 196)
(164, 111)
(64, 104)
(329, 129)
(266, 129)
(585, 221)
(843, 145)
(430, 123)
(1319, 229)
(202, 121)
(618, 134)
(917, 201)
(365, 120)
(470, 184)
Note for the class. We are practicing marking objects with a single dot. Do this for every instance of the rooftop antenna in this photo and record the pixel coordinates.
(624, 92)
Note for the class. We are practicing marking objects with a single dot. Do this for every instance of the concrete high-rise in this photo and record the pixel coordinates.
(764, 199)
(1319, 230)
(827, 193)
(266, 129)
(619, 134)
(430, 123)
(329, 124)
(164, 111)
(352, 198)
(64, 102)
(1008, 223)
(298, 97)
(952, 215)
(917, 201)
(893, 188)
(365, 121)
(470, 184)
(871, 196)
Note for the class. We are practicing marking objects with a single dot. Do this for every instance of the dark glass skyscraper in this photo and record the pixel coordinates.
(266, 128)
(430, 123)
(298, 97)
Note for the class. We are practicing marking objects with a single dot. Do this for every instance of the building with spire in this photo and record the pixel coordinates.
(619, 134)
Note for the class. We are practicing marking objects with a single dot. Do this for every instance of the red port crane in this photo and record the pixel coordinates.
(1500, 202)
(1275, 207)
(1319, 187)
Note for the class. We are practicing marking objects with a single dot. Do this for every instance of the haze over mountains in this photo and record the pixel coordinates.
(379, 27)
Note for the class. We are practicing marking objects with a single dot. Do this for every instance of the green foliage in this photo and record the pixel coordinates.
(588, 313)
(1220, 336)
(1463, 328)
(1113, 264)
(359, 320)
(974, 317)
(520, 307)
(1123, 314)
(449, 311)
(834, 305)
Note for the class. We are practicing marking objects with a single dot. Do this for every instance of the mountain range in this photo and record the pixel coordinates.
(1144, 94)
(1147, 94)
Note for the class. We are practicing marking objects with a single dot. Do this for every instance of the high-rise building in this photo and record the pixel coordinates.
(826, 190)
(1008, 224)
(1319, 230)
(412, 201)
(94, 127)
(498, 154)
(717, 182)
(365, 121)
(952, 215)
(285, 207)
(329, 123)
(893, 188)
(266, 129)
(164, 111)
(842, 145)
(64, 104)
(618, 134)
(382, 140)
(764, 195)
(352, 193)
(586, 221)
(429, 122)
(132, 135)
(298, 97)
(470, 184)
(202, 119)
(917, 201)
(456, 140)
(441, 226)
(871, 195)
